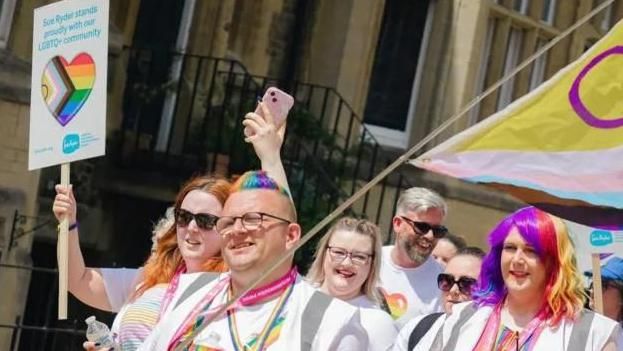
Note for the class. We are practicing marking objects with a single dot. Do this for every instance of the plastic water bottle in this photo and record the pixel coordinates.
(98, 332)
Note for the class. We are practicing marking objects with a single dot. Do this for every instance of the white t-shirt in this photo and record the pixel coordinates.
(120, 283)
(409, 292)
(135, 320)
(549, 340)
(378, 324)
(340, 328)
(402, 341)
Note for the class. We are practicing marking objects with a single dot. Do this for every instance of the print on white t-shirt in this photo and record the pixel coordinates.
(409, 292)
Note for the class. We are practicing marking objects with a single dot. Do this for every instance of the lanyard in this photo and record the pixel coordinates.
(257, 343)
(494, 328)
(193, 318)
(202, 309)
(170, 292)
(256, 295)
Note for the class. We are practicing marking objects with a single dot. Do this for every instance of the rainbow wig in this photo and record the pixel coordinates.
(563, 296)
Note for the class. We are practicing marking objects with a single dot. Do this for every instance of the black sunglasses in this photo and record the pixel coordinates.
(204, 221)
(445, 282)
(422, 228)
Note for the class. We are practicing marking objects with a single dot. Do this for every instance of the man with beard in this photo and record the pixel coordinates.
(408, 272)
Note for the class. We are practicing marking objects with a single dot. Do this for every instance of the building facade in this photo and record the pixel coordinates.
(372, 77)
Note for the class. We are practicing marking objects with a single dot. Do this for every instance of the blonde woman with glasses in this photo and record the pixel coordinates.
(346, 266)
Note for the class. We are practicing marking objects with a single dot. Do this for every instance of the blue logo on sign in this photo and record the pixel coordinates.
(601, 238)
(71, 143)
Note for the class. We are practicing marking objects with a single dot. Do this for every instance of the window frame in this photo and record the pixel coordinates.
(7, 10)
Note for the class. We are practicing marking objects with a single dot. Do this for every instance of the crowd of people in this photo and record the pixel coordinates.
(428, 291)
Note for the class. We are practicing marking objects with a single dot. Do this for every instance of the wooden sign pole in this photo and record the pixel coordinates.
(62, 248)
(597, 291)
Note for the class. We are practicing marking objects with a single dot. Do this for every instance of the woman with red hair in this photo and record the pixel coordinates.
(530, 295)
(185, 247)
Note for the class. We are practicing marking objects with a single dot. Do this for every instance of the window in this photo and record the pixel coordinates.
(603, 20)
(549, 11)
(606, 20)
(537, 76)
(512, 56)
(521, 6)
(482, 69)
(6, 17)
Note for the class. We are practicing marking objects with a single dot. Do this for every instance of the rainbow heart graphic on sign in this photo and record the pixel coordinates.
(66, 86)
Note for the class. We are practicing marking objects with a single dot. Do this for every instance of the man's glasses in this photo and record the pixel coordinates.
(204, 221)
(445, 282)
(250, 221)
(422, 228)
(338, 255)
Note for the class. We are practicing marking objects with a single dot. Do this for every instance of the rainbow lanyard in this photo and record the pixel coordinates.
(257, 343)
(197, 315)
(493, 334)
(202, 309)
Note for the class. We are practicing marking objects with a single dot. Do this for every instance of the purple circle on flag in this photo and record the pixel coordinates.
(578, 105)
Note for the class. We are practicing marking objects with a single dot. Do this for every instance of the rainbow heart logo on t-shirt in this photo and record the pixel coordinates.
(396, 302)
(66, 86)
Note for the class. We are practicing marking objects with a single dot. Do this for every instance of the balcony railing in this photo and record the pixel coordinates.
(39, 328)
(183, 114)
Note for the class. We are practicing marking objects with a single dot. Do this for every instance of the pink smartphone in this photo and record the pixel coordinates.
(278, 103)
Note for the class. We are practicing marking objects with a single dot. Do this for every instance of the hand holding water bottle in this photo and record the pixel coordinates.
(99, 336)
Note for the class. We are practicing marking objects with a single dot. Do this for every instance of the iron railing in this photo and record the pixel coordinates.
(328, 153)
(38, 328)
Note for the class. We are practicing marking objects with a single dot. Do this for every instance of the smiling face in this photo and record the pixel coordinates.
(197, 244)
(345, 279)
(252, 251)
(417, 246)
(459, 266)
(523, 271)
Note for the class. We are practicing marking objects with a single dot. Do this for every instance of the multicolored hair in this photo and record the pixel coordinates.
(255, 180)
(563, 296)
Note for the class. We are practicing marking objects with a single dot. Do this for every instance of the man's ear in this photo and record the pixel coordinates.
(396, 222)
(293, 235)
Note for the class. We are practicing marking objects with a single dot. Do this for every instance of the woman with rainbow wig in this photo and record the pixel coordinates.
(530, 295)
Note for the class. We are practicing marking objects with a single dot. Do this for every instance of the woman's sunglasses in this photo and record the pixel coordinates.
(204, 221)
(445, 282)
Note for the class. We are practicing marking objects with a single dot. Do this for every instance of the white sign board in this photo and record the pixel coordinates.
(68, 89)
(590, 240)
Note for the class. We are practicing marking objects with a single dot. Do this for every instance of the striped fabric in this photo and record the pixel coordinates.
(554, 147)
(507, 341)
(140, 317)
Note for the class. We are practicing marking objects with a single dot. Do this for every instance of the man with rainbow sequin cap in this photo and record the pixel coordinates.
(284, 312)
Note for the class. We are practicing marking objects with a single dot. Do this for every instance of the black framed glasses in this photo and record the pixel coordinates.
(204, 221)
(338, 255)
(466, 285)
(422, 228)
(250, 221)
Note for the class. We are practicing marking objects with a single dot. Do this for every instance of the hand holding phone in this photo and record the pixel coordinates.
(278, 104)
